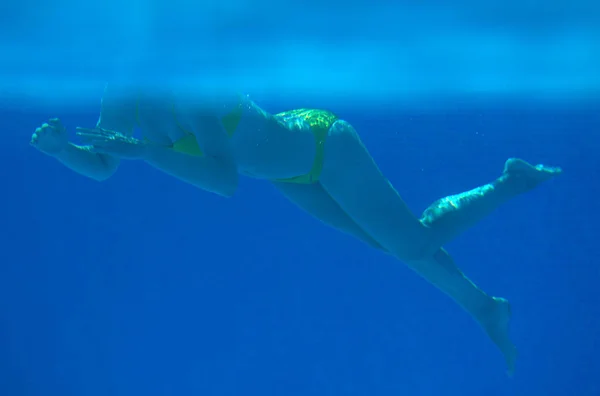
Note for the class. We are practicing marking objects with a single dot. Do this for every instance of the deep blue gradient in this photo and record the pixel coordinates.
(143, 285)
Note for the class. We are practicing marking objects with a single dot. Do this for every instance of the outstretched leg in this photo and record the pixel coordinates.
(450, 216)
(492, 313)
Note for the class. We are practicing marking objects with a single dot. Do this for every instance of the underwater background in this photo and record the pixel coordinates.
(145, 285)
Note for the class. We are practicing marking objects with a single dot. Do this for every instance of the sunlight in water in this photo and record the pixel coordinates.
(408, 53)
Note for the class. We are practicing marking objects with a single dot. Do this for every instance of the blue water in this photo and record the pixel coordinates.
(145, 285)
(400, 51)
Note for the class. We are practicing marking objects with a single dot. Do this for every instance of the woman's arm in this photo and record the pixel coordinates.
(52, 139)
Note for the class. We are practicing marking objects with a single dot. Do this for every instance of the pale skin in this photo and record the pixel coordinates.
(351, 194)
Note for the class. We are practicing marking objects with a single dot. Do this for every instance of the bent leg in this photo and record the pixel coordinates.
(313, 199)
(354, 181)
(452, 215)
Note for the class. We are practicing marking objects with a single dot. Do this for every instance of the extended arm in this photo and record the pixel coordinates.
(118, 113)
(52, 139)
(211, 168)
(201, 156)
(87, 163)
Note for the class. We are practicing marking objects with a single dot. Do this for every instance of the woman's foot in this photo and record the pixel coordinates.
(524, 177)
